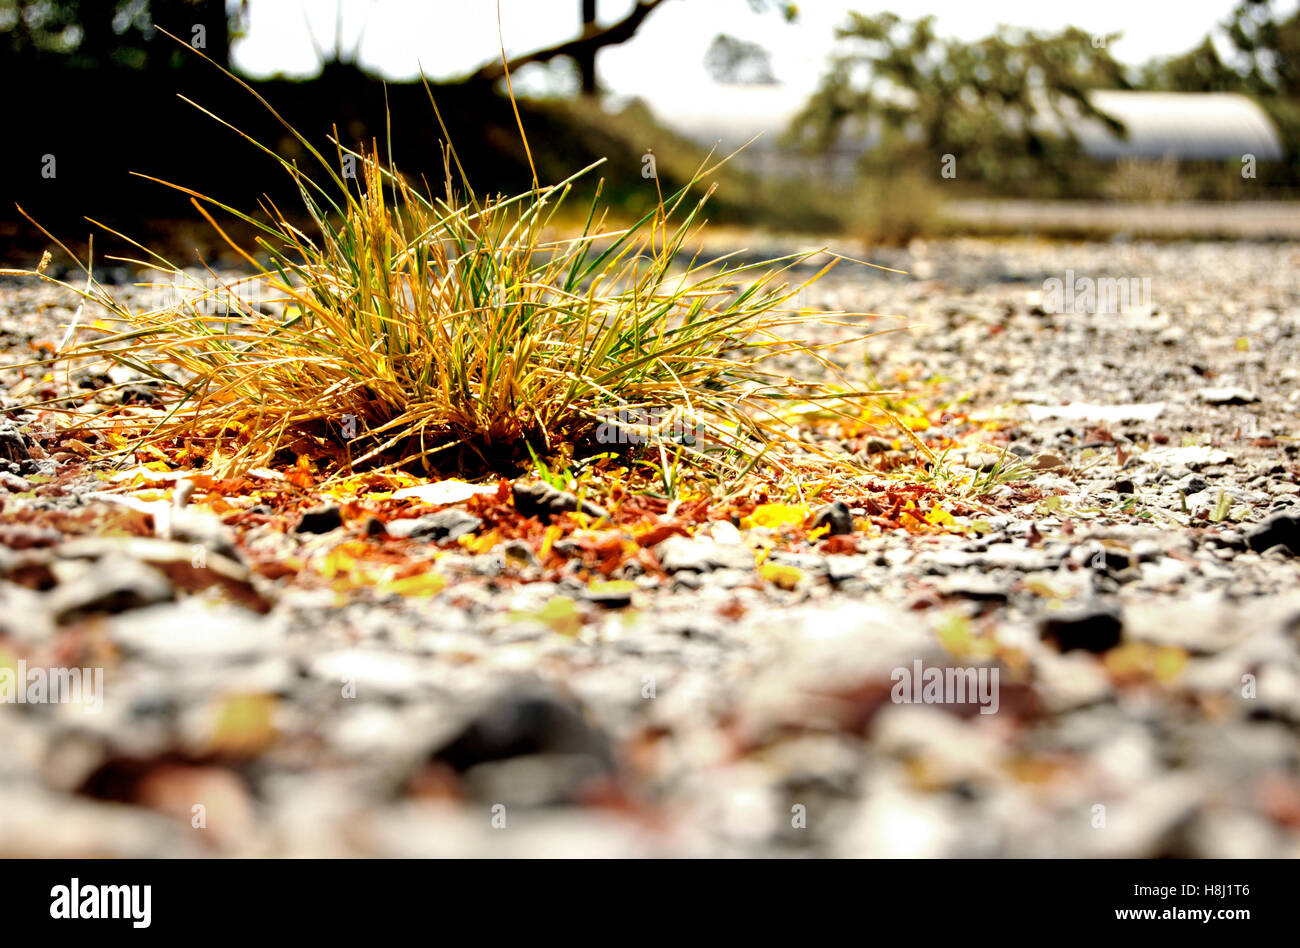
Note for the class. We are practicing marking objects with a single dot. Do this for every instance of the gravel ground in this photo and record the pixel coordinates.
(1223, 220)
(1127, 610)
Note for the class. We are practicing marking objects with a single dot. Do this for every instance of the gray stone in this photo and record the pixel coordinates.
(448, 524)
(109, 587)
(374, 673)
(13, 443)
(1010, 556)
(1093, 628)
(1226, 396)
(527, 719)
(13, 483)
(701, 555)
(203, 529)
(320, 519)
(539, 499)
(974, 586)
(194, 631)
(836, 516)
(1193, 458)
(1048, 461)
(1278, 530)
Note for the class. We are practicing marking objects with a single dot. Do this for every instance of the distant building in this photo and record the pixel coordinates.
(1190, 126)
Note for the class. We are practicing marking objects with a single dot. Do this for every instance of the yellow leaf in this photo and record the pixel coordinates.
(611, 587)
(1040, 587)
(560, 613)
(776, 516)
(343, 559)
(1169, 663)
(423, 584)
(940, 517)
(480, 543)
(957, 636)
(552, 534)
(1131, 661)
(244, 724)
(778, 574)
(348, 487)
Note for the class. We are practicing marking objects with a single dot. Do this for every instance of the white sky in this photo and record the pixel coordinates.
(663, 63)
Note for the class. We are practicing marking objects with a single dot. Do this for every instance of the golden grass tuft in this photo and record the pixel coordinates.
(455, 333)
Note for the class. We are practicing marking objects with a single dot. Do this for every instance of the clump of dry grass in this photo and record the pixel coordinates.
(453, 332)
(1147, 180)
(894, 210)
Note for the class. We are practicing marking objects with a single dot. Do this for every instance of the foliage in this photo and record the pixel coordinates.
(924, 97)
(739, 62)
(105, 34)
(1264, 60)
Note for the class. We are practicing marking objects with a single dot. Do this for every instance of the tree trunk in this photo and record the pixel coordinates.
(581, 50)
(586, 57)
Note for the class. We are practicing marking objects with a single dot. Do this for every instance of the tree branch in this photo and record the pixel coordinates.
(591, 40)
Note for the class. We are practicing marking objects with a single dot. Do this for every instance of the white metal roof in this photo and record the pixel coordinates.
(1186, 125)
(1189, 125)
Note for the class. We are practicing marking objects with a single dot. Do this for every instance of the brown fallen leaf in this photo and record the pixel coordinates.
(214, 801)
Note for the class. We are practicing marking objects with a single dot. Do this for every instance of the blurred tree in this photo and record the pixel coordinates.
(594, 37)
(1264, 44)
(104, 34)
(989, 104)
(786, 8)
(1200, 70)
(735, 61)
(1269, 45)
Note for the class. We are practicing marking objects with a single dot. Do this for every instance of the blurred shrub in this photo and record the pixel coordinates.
(1146, 180)
(896, 209)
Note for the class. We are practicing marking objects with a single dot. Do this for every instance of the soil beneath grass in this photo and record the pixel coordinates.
(1120, 611)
